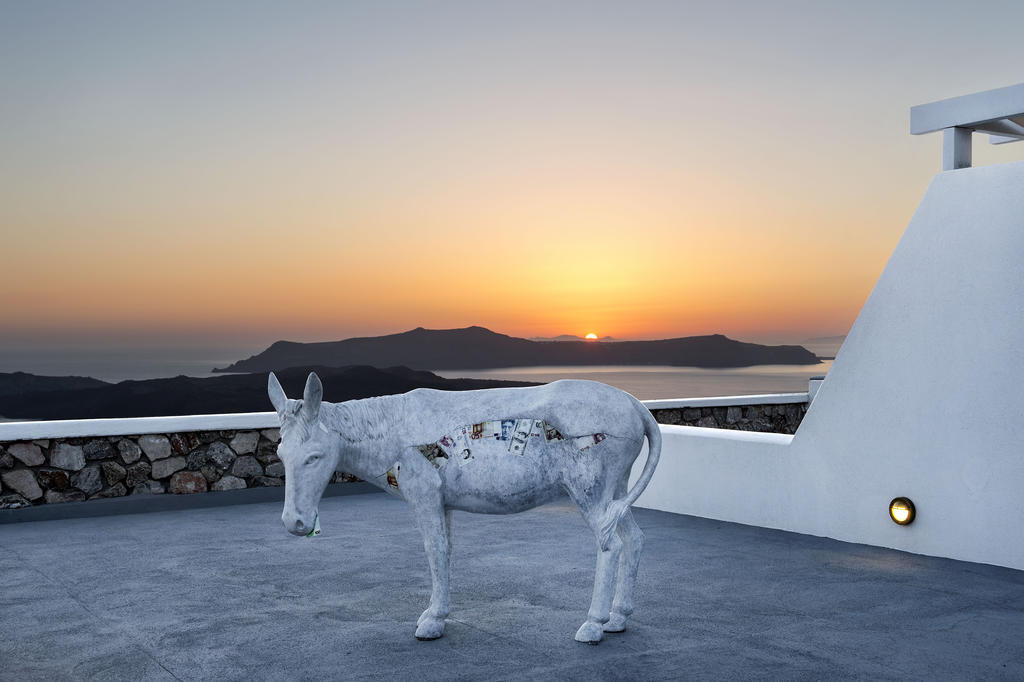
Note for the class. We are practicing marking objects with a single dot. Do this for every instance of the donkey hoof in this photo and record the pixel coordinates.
(429, 628)
(617, 623)
(590, 633)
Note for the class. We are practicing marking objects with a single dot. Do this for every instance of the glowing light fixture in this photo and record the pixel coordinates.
(901, 511)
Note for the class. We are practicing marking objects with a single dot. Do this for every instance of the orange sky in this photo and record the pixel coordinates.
(329, 173)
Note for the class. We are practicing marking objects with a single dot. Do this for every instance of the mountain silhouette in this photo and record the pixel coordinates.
(480, 348)
(219, 395)
(18, 383)
(570, 337)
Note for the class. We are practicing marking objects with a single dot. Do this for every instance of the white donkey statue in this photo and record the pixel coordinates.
(494, 451)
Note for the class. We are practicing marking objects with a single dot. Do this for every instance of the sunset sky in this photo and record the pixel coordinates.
(237, 173)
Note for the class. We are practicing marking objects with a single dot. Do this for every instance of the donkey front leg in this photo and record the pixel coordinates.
(432, 521)
(421, 487)
(425, 500)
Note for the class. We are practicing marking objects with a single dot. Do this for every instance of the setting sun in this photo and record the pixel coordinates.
(591, 336)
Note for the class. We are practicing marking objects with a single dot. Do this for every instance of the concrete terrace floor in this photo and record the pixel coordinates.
(226, 594)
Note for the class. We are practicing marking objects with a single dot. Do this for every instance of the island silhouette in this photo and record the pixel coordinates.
(480, 348)
(364, 368)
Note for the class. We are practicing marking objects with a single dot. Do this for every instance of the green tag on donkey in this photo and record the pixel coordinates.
(316, 527)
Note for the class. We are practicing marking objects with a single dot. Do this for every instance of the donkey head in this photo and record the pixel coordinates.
(307, 451)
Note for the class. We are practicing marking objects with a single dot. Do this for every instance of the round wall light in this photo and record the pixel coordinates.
(901, 511)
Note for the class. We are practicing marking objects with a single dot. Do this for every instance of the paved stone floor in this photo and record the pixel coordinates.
(226, 594)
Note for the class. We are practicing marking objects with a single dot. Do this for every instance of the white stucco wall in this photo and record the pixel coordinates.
(925, 400)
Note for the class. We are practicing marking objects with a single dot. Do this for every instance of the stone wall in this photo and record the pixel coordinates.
(77, 469)
(769, 418)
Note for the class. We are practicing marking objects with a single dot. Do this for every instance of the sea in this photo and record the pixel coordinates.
(115, 364)
(645, 382)
(655, 381)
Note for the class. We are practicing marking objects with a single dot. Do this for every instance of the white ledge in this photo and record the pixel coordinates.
(727, 401)
(673, 430)
(133, 426)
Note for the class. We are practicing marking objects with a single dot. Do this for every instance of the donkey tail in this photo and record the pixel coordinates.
(616, 508)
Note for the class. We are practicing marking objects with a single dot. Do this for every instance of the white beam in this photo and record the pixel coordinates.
(967, 111)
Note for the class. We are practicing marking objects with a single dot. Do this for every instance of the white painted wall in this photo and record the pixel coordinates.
(925, 400)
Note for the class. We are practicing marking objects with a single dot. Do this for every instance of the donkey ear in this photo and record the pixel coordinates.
(277, 397)
(312, 396)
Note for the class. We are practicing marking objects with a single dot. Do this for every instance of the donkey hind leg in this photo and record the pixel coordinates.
(632, 545)
(604, 577)
(629, 561)
(448, 535)
(433, 523)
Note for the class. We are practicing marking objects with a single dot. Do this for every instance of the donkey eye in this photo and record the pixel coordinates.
(311, 459)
